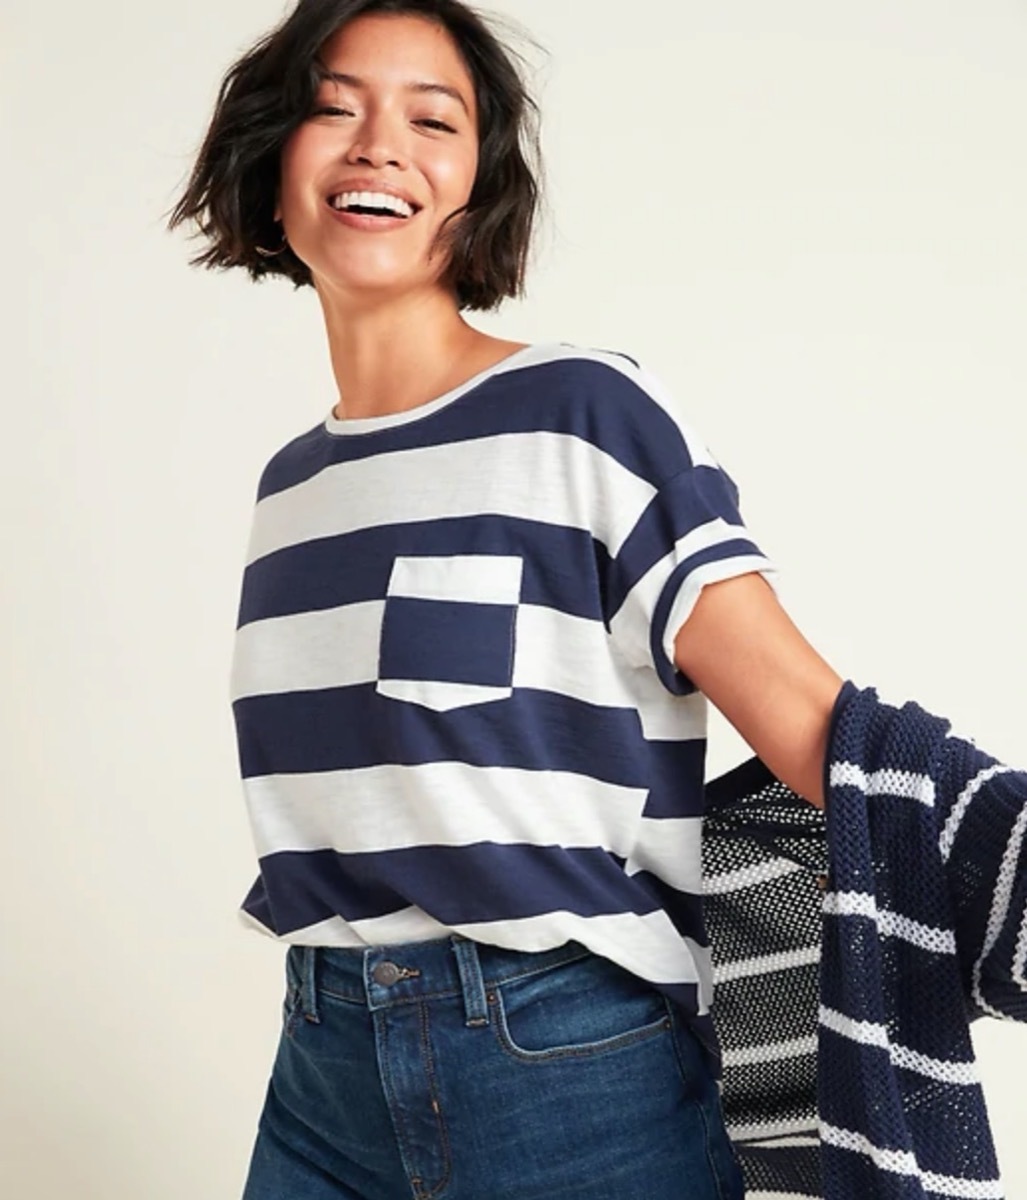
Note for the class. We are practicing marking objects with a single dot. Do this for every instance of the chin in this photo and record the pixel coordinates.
(377, 281)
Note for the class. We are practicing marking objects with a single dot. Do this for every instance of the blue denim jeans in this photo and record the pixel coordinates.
(455, 1070)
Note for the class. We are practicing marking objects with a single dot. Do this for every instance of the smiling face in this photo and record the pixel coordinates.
(378, 126)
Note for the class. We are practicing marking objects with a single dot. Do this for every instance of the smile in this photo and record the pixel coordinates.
(370, 222)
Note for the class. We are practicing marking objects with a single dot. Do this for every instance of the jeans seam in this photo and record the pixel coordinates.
(395, 1114)
(700, 1104)
(708, 1149)
(499, 980)
(429, 1063)
(584, 1050)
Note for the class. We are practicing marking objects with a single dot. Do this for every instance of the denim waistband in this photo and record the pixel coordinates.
(405, 973)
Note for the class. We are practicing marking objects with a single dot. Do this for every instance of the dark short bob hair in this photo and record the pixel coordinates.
(270, 91)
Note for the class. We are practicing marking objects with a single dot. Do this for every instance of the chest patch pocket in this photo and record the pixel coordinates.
(449, 629)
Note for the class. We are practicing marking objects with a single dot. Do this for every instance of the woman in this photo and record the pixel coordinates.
(484, 601)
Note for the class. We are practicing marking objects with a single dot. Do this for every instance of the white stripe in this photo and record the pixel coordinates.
(1020, 954)
(338, 647)
(902, 1162)
(766, 1130)
(441, 695)
(906, 785)
(1002, 899)
(521, 475)
(391, 807)
(746, 877)
(275, 655)
(671, 848)
(869, 1033)
(472, 578)
(781, 1195)
(768, 963)
(797, 1142)
(585, 669)
(890, 923)
(648, 946)
(746, 1056)
(955, 817)
(406, 925)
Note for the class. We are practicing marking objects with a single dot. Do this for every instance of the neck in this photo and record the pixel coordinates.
(399, 354)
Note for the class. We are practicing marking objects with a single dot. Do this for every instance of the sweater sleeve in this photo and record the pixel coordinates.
(982, 816)
(922, 909)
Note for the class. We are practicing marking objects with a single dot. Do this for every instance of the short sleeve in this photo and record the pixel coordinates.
(690, 533)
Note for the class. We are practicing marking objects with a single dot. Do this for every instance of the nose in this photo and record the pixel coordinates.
(378, 140)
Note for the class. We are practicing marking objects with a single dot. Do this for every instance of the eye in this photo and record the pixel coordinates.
(331, 110)
(434, 124)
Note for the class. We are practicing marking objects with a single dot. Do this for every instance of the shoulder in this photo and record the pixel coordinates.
(295, 462)
(609, 397)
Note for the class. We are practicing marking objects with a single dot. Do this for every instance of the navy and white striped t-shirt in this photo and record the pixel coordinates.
(453, 681)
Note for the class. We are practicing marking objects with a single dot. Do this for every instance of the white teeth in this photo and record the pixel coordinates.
(372, 200)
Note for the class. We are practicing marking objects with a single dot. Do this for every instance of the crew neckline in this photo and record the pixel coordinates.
(533, 351)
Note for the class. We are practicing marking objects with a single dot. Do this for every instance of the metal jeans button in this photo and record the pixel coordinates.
(386, 973)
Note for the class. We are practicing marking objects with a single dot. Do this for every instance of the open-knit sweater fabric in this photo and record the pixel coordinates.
(853, 947)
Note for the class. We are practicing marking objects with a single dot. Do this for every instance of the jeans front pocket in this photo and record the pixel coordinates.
(449, 630)
(580, 1010)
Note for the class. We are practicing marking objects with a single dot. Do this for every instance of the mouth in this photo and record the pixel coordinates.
(377, 206)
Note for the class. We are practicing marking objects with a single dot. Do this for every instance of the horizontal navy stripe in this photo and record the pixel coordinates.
(782, 1169)
(841, 992)
(449, 640)
(672, 769)
(537, 731)
(579, 397)
(937, 976)
(883, 1119)
(784, 1092)
(972, 1153)
(691, 499)
(454, 884)
(752, 781)
(848, 1173)
(786, 1013)
(685, 909)
(886, 740)
(742, 927)
(563, 567)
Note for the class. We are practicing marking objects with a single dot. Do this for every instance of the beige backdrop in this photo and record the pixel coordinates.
(807, 217)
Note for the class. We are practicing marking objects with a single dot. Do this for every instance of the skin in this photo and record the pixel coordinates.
(397, 340)
(395, 333)
(745, 654)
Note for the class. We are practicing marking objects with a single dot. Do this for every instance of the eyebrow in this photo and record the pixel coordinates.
(424, 87)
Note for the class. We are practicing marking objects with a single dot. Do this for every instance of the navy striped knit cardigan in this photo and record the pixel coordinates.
(852, 949)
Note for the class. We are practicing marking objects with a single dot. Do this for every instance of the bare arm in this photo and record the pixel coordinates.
(742, 650)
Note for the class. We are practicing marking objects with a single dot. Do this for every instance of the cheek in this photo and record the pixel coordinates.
(302, 158)
(454, 175)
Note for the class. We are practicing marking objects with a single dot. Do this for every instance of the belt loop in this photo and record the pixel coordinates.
(471, 982)
(308, 984)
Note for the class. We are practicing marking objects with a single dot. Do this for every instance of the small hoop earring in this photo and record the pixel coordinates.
(272, 253)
